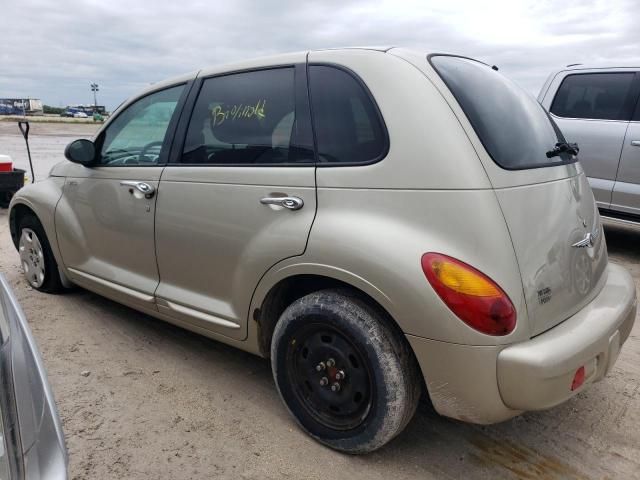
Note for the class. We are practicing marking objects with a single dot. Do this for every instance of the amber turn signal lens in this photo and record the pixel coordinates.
(470, 294)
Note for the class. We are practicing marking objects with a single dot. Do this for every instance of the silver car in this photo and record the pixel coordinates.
(32, 444)
(598, 108)
(380, 223)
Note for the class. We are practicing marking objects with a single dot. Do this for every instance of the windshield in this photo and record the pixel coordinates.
(511, 124)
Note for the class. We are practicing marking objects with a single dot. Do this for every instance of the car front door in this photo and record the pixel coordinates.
(237, 197)
(626, 192)
(593, 109)
(105, 219)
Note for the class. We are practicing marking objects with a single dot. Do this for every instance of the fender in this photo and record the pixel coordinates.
(42, 198)
(381, 257)
(293, 266)
(300, 265)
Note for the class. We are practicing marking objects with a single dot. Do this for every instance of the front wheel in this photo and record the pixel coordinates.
(348, 378)
(38, 263)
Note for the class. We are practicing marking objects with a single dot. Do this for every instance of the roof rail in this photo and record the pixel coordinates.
(573, 64)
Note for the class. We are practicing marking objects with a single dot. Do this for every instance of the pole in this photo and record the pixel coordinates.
(24, 129)
(94, 89)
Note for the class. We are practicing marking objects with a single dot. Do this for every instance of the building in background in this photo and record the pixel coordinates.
(20, 106)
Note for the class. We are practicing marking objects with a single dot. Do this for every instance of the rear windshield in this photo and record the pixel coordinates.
(513, 127)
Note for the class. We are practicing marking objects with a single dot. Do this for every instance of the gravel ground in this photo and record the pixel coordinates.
(46, 141)
(163, 403)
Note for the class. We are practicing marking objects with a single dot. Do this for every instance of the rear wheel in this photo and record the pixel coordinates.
(347, 377)
(38, 263)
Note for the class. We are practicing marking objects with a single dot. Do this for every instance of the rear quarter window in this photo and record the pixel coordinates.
(348, 125)
(603, 96)
(514, 128)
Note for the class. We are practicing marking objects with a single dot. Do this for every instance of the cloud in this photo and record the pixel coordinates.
(54, 50)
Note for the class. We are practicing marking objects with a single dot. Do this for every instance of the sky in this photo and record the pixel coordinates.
(54, 49)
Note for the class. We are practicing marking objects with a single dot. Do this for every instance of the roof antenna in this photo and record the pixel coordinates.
(494, 68)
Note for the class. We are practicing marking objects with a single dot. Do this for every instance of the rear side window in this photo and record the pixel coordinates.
(513, 127)
(604, 96)
(245, 119)
(348, 125)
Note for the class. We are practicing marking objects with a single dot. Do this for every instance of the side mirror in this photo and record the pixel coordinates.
(81, 151)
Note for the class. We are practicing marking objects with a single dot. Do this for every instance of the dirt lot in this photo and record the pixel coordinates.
(163, 403)
(46, 140)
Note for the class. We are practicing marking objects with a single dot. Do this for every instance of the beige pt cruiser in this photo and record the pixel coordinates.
(380, 223)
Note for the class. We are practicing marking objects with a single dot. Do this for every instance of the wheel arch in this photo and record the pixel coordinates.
(290, 283)
(40, 200)
(17, 213)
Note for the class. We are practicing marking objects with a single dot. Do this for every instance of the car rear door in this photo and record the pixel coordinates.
(238, 195)
(626, 191)
(592, 108)
(105, 218)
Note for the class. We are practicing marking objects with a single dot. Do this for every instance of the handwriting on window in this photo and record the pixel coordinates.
(221, 114)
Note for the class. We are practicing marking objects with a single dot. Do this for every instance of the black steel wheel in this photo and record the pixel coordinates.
(347, 376)
(330, 376)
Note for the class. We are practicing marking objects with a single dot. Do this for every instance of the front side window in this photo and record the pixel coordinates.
(604, 96)
(347, 123)
(245, 118)
(136, 136)
(513, 127)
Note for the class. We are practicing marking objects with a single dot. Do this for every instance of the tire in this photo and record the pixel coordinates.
(38, 263)
(332, 334)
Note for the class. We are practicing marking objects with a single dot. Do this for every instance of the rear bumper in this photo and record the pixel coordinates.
(489, 384)
(538, 374)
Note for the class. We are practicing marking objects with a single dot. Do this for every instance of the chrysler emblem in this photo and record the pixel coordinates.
(588, 240)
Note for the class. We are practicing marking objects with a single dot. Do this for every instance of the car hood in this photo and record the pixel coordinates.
(62, 169)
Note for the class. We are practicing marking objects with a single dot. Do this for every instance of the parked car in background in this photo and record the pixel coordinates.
(367, 218)
(32, 443)
(598, 108)
(74, 112)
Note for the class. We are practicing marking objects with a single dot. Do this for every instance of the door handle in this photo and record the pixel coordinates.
(635, 143)
(292, 203)
(143, 187)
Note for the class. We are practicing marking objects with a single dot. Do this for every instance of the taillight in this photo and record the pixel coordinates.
(476, 299)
